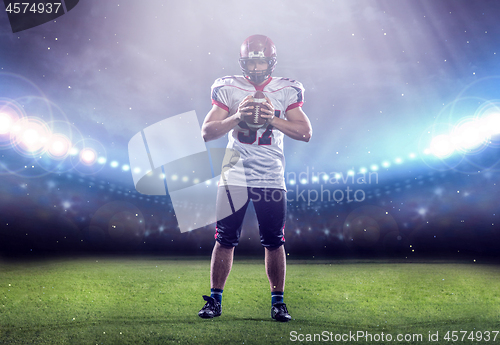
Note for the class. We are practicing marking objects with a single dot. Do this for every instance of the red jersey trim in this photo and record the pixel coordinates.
(220, 105)
(294, 105)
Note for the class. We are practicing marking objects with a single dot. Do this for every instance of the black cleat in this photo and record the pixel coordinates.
(280, 313)
(211, 309)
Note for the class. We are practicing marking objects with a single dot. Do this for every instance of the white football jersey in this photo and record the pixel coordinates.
(261, 152)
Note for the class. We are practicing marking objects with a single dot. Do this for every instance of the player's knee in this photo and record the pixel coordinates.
(272, 243)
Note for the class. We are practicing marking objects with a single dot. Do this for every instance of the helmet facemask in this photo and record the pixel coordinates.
(257, 76)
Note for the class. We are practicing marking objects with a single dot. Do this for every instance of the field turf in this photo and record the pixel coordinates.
(142, 300)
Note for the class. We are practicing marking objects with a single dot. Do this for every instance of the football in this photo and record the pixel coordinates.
(255, 120)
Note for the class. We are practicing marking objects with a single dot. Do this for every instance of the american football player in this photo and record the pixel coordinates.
(260, 176)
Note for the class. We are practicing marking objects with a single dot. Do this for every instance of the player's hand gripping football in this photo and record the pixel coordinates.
(268, 111)
(244, 108)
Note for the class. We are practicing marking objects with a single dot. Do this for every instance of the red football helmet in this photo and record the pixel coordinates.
(258, 47)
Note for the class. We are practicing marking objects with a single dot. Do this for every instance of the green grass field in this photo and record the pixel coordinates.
(156, 301)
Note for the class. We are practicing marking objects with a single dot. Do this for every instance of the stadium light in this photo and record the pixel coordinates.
(441, 146)
(88, 156)
(489, 124)
(58, 146)
(30, 135)
(469, 135)
(30, 139)
(6, 123)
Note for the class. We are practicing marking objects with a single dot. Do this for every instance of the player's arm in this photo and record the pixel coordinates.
(297, 126)
(218, 122)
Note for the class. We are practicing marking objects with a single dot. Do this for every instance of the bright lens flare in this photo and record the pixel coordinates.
(10, 113)
(469, 135)
(491, 124)
(30, 135)
(6, 123)
(442, 146)
(59, 146)
(88, 156)
(30, 138)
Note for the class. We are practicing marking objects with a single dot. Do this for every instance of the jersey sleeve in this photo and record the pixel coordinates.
(295, 95)
(220, 94)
